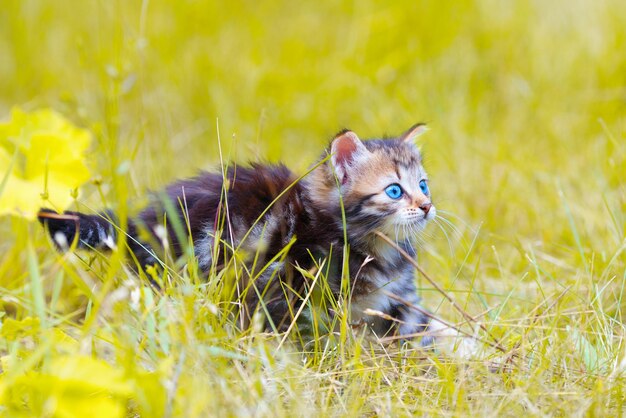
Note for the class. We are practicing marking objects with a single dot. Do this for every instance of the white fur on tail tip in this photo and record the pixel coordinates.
(61, 240)
(449, 341)
(109, 242)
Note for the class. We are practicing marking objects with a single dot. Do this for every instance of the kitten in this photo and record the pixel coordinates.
(368, 186)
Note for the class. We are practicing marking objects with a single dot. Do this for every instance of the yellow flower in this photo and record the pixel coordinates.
(42, 161)
(70, 386)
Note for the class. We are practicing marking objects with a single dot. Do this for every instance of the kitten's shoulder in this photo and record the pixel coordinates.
(262, 181)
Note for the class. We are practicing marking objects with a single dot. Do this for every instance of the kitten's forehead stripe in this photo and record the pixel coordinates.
(397, 171)
(400, 152)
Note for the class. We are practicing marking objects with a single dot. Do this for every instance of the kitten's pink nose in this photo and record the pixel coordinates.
(426, 207)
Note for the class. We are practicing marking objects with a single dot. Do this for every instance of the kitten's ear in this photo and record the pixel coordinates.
(413, 132)
(346, 149)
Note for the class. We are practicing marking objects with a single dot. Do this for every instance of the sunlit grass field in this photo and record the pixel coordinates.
(526, 101)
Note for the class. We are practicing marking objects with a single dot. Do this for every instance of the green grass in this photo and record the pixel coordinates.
(527, 154)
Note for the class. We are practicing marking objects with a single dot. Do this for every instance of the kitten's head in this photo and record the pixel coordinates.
(382, 182)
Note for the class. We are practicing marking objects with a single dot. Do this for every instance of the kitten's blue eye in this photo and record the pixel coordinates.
(394, 191)
(424, 187)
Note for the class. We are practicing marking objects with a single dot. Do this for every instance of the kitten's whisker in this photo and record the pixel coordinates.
(451, 225)
(459, 236)
(417, 232)
(429, 235)
(424, 231)
(409, 240)
(457, 217)
(421, 241)
(438, 223)
(395, 227)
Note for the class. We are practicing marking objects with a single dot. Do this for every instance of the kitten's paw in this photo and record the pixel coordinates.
(449, 341)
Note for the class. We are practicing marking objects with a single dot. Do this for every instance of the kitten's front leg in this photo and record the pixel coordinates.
(413, 319)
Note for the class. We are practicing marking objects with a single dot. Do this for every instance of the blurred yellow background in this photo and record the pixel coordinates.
(526, 101)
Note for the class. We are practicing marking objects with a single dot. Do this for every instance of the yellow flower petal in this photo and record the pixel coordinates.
(42, 155)
(21, 198)
(57, 156)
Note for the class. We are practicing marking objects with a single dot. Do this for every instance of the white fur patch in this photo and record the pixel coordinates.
(259, 236)
(204, 249)
(109, 242)
(61, 240)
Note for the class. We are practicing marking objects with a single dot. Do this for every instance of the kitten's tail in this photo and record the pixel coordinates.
(94, 231)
